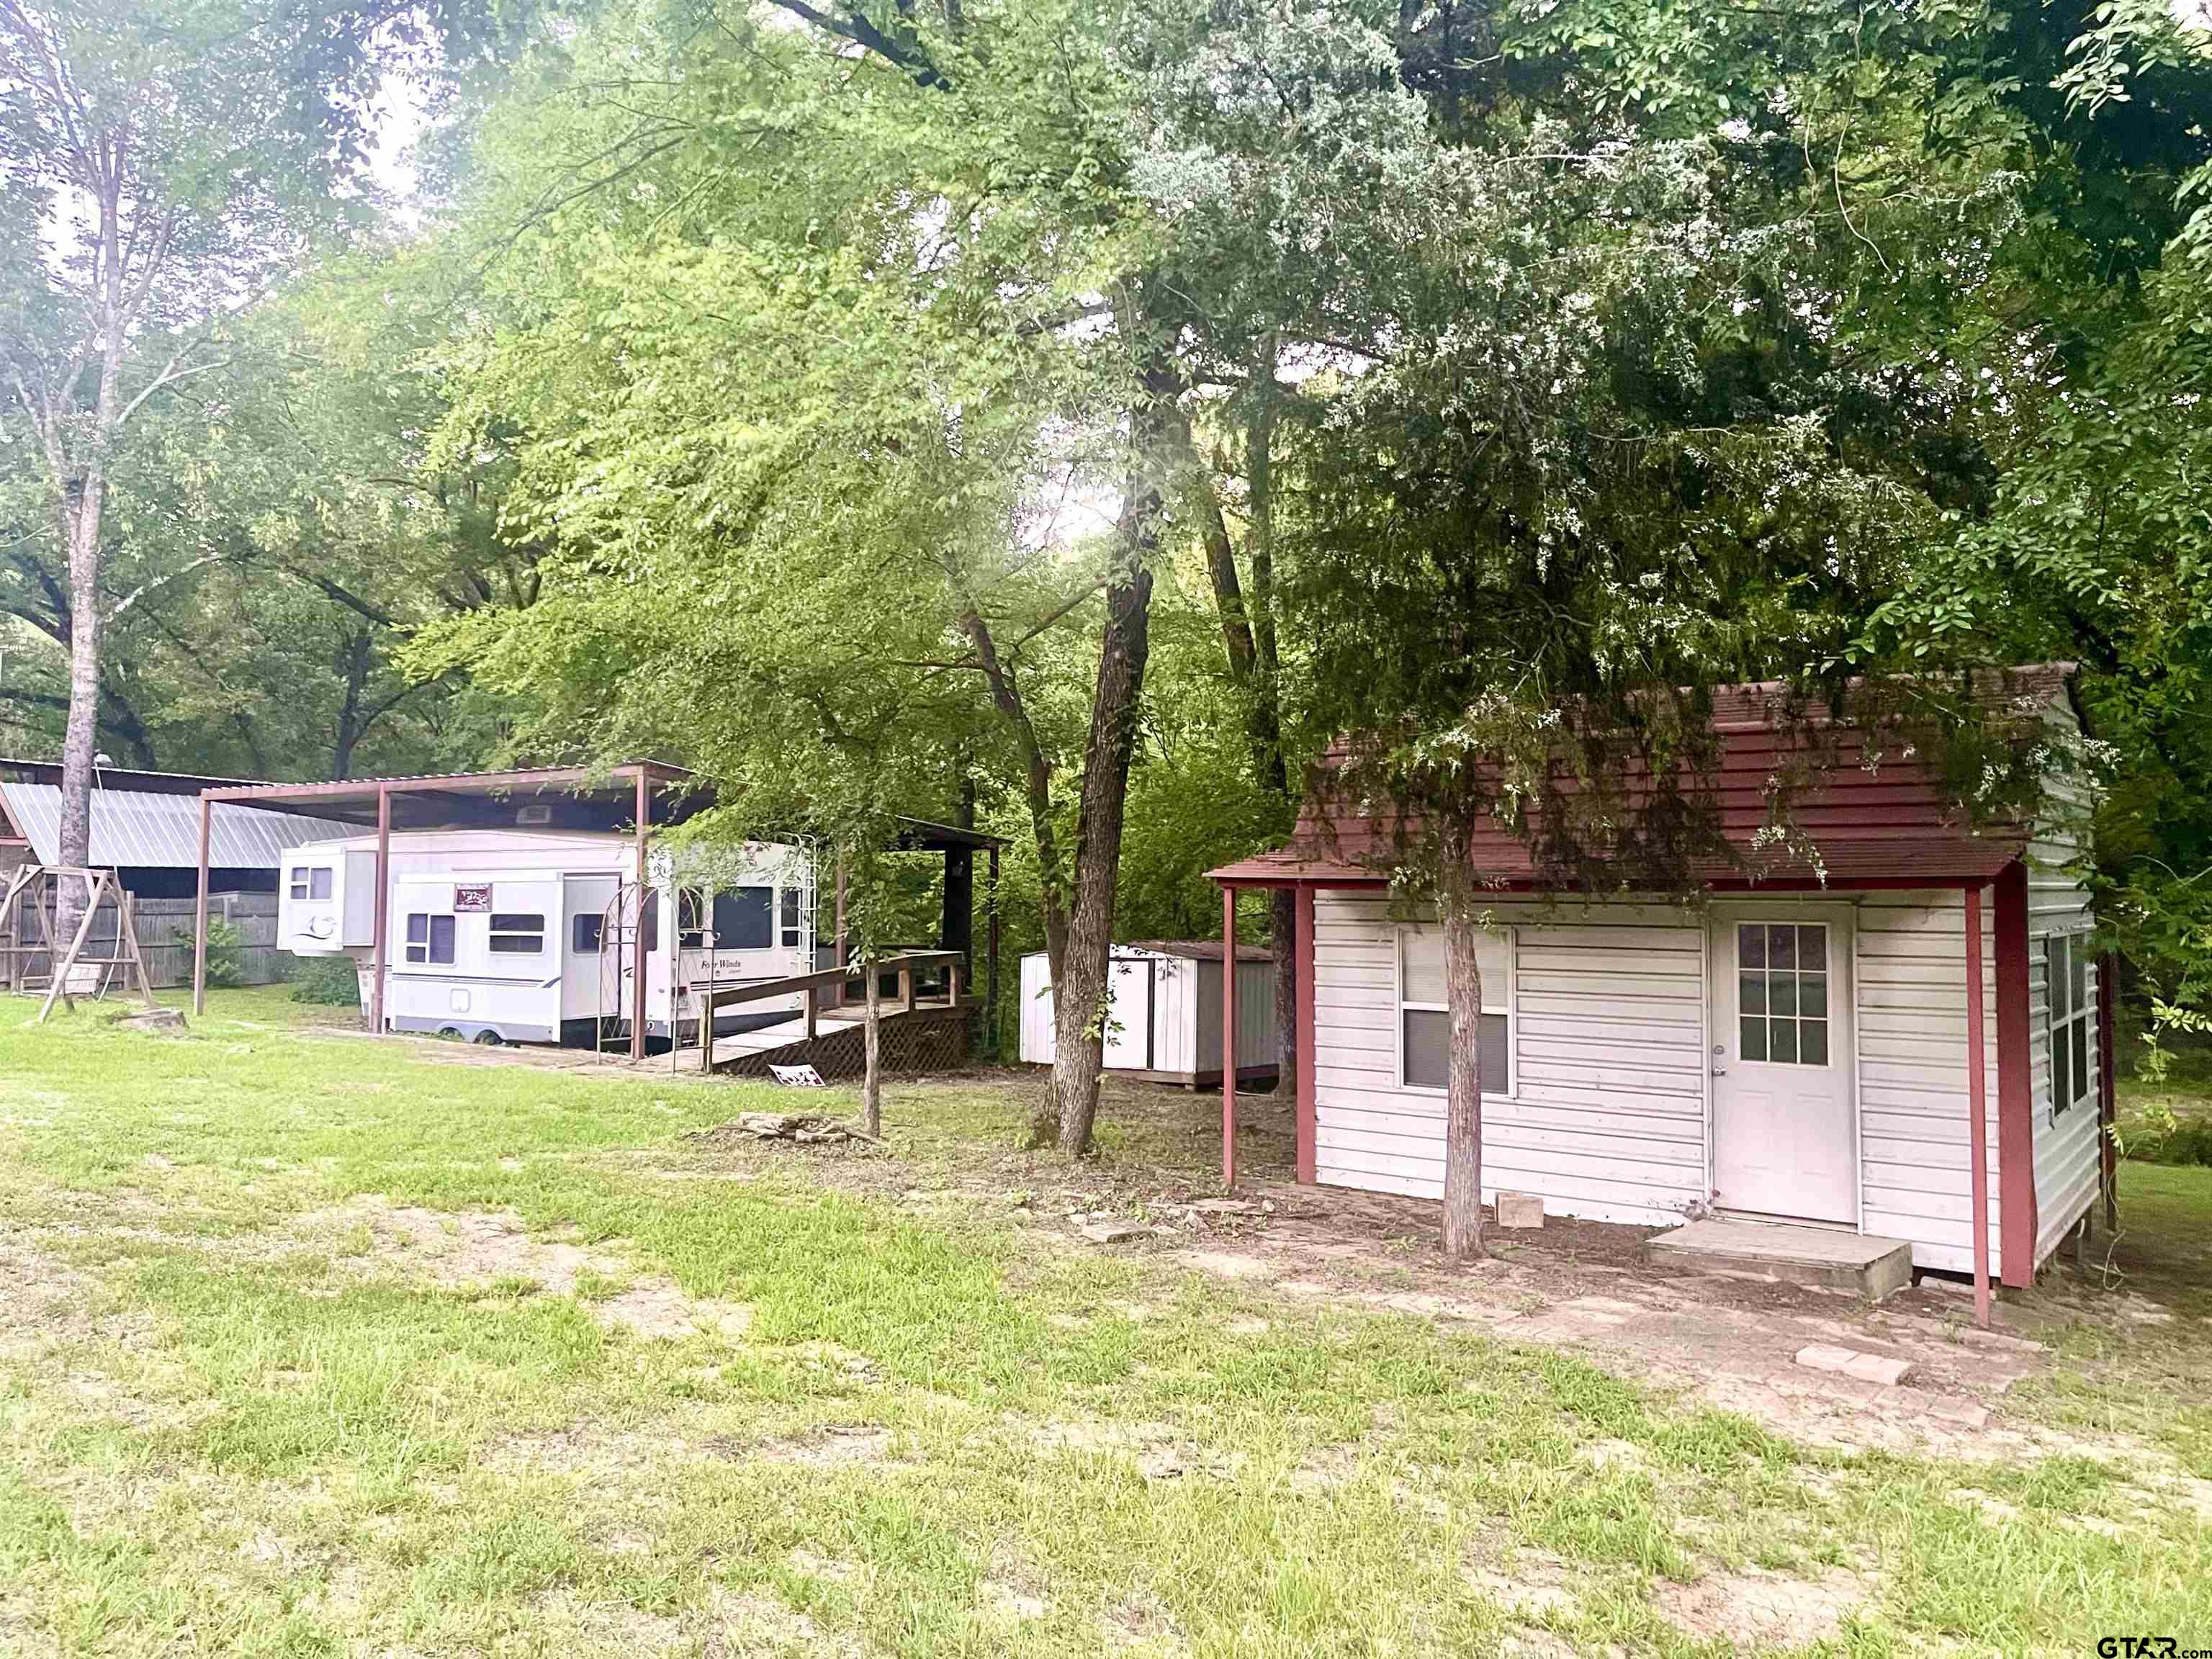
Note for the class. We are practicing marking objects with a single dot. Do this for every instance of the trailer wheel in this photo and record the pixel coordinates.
(449, 1033)
(489, 1038)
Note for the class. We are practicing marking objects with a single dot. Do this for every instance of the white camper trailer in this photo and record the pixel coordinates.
(1164, 1011)
(519, 936)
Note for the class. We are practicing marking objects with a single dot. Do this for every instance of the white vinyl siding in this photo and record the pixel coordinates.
(1914, 1168)
(1607, 1118)
(2068, 1150)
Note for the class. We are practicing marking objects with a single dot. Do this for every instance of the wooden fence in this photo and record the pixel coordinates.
(165, 936)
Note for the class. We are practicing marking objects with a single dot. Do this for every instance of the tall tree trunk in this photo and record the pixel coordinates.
(1080, 978)
(1462, 904)
(81, 739)
(872, 1076)
(353, 664)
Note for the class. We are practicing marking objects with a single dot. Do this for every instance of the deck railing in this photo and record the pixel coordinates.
(809, 988)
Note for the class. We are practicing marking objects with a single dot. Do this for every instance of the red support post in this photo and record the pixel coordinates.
(645, 896)
(2016, 1212)
(379, 952)
(200, 911)
(1306, 992)
(1228, 1038)
(2108, 1094)
(1977, 1110)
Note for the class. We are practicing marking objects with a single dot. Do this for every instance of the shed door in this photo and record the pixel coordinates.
(1783, 1128)
(1129, 1004)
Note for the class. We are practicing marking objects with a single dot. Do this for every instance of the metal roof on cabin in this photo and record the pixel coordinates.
(1881, 824)
(135, 828)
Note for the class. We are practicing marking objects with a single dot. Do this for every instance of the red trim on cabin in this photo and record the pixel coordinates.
(1305, 1013)
(2108, 1093)
(1229, 1040)
(2016, 1210)
(1978, 1116)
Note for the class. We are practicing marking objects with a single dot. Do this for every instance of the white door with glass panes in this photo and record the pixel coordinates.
(1782, 1124)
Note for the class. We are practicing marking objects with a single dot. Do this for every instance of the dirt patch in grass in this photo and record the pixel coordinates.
(1755, 1608)
(833, 1446)
(752, 1624)
(476, 1249)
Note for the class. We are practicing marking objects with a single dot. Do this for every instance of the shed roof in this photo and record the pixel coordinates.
(1198, 949)
(1874, 815)
(142, 828)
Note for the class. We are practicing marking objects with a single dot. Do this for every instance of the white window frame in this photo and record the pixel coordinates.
(303, 881)
(2083, 1020)
(1399, 1007)
(1828, 972)
(494, 932)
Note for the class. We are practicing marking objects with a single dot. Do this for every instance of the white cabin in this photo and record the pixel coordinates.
(1796, 1045)
(1164, 1011)
(520, 936)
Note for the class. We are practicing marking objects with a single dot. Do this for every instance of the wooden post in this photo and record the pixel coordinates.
(991, 965)
(906, 987)
(645, 896)
(952, 985)
(96, 883)
(706, 1025)
(1229, 1038)
(380, 953)
(1978, 1109)
(810, 1004)
(1305, 982)
(200, 912)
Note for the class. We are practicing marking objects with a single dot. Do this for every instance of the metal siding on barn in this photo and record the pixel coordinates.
(130, 827)
(1608, 1116)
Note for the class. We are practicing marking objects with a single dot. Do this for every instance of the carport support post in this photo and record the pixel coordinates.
(199, 914)
(1228, 1037)
(637, 945)
(991, 952)
(381, 952)
(1977, 1110)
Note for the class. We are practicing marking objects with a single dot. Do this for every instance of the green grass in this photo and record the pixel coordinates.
(236, 1422)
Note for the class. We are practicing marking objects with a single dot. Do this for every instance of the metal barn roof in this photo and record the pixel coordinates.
(132, 827)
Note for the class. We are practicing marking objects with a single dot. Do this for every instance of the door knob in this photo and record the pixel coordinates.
(1720, 1059)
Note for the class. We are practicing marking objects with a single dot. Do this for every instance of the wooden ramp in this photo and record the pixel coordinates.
(931, 1036)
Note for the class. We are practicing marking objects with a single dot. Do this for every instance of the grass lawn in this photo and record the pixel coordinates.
(314, 1345)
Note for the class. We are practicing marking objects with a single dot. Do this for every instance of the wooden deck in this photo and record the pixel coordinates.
(931, 1036)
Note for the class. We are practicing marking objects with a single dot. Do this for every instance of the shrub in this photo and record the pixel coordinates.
(226, 951)
(331, 981)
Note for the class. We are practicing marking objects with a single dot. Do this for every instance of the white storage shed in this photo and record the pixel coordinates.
(1164, 1011)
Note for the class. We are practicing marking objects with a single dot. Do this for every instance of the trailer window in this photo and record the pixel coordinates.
(741, 919)
(311, 881)
(787, 917)
(585, 931)
(648, 923)
(430, 938)
(517, 933)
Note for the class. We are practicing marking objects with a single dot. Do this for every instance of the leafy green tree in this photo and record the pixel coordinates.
(165, 165)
